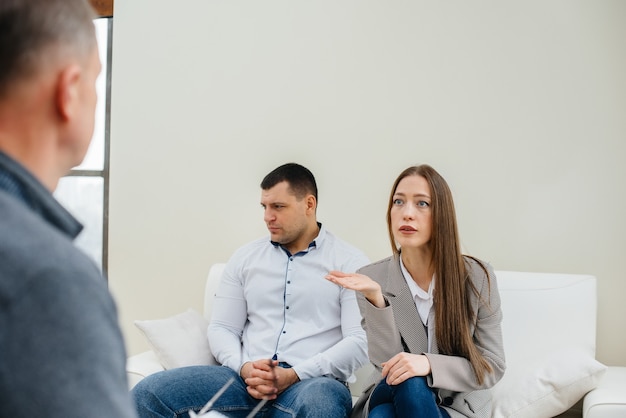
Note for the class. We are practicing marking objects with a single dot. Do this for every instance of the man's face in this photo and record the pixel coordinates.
(285, 215)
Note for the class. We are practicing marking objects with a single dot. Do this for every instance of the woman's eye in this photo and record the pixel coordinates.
(397, 202)
(423, 204)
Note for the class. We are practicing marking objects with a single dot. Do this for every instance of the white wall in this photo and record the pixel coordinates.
(520, 105)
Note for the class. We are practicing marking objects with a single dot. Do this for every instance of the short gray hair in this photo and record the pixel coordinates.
(32, 30)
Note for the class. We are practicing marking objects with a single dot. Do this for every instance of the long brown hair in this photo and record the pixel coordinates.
(453, 289)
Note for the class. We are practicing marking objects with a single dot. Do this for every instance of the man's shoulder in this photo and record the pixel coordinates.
(338, 243)
(254, 246)
(253, 252)
(10, 206)
(32, 249)
(341, 254)
(377, 266)
(25, 225)
(19, 226)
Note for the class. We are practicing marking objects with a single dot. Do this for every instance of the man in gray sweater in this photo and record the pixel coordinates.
(61, 350)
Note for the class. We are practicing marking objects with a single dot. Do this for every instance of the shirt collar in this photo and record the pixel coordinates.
(417, 291)
(313, 244)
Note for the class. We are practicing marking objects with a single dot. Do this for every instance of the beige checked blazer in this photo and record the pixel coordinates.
(398, 328)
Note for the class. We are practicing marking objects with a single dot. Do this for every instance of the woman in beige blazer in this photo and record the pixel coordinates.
(432, 315)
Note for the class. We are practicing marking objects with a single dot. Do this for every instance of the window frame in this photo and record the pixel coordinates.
(104, 173)
(104, 8)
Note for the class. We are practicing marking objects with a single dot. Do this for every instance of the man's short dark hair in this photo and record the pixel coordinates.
(301, 180)
(32, 29)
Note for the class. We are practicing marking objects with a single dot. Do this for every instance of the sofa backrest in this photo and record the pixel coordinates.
(543, 313)
(546, 312)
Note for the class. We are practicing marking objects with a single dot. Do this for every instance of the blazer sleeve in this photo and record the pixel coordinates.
(383, 337)
(456, 373)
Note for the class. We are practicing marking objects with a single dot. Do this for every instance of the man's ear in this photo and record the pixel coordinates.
(67, 92)
(311, 202)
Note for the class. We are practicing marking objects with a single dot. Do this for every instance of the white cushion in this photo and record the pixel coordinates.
(180, 340)
(548, 387)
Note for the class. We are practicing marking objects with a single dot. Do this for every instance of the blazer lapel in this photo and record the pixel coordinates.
(405, 313)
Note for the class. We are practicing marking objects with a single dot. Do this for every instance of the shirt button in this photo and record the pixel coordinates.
(284, 332)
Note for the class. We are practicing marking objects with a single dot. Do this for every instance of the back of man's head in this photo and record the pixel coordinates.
(301, 180)
(35, 33)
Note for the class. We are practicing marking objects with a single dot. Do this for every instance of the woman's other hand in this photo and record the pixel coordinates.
(403, 366)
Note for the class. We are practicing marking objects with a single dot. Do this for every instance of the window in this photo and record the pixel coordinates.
(85, 190)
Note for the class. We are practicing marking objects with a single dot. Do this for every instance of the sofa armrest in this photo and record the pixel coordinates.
(141, 365)
(608, 400)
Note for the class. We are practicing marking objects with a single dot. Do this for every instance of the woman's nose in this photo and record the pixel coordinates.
(408, 212)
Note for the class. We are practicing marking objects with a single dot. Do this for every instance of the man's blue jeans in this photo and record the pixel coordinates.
(412, 398)
(174, 392)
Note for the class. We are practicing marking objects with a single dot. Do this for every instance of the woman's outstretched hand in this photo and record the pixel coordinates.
(360, 283)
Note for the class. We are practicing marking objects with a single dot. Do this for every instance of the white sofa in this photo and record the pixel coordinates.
(549, 331)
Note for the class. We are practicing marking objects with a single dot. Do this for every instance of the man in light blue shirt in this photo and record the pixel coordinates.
(285, 333)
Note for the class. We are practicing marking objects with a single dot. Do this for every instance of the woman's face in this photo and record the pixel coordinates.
(411, 213)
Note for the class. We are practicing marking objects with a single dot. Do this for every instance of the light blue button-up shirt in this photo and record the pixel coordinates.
(270, 302)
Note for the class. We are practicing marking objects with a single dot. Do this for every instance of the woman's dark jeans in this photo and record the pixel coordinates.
(412, 398)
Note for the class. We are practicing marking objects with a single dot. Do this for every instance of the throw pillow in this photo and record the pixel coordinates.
(547, 388)
(180, 340)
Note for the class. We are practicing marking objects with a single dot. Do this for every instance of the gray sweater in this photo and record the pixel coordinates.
(61, 350)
